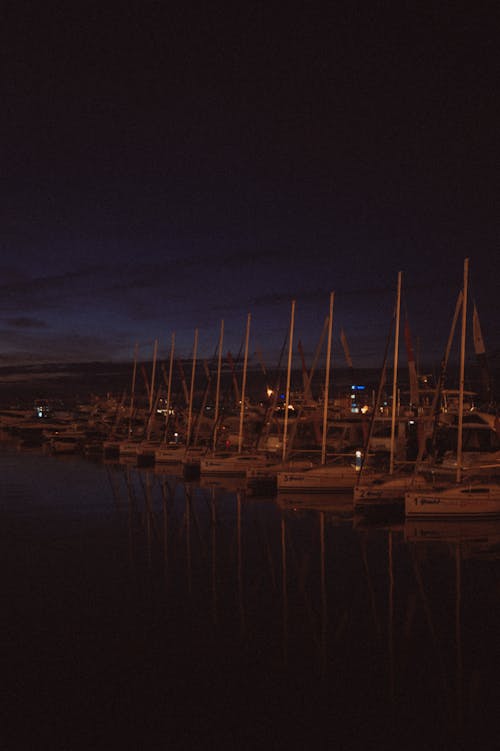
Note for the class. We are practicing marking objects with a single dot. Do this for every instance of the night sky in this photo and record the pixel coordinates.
(166, 167)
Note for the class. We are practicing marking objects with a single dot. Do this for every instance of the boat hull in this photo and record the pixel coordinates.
(322, 480)
(233, 466)
(462, 501)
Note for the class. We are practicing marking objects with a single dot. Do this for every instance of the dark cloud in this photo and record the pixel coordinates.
(51, 292)
(69, 346)
(24, 322)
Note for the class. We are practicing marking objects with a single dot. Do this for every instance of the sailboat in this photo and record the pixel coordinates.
(480, 445)
(468, 496)
(337, 476)
(169, 452)
(375, 490)
(264, 478)
(386, 490)
(234, 463)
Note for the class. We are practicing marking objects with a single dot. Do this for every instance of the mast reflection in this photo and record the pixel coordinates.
(304, 586)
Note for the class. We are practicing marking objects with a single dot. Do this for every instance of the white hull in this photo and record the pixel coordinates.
(465, 500)
(170, 454)
(231, 465)
(326, 479)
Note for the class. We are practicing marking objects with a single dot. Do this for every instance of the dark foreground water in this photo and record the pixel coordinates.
(139, 612)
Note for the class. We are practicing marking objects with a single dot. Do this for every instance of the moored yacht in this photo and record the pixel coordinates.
(337, 477)
(463, 499)
(470, 495)
(231, 463)
(264, 478)
(170, 453)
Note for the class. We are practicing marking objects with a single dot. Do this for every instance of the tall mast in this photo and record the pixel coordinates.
(327, 379)
(132, 390)
(243, 386)
(288, 377)
(152, 400)
(462, 372)
(169, 384)
(217, 389)
(191, 392)
(395, 375)
(153, 374)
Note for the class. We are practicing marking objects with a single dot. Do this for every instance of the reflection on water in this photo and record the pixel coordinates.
(142, 607)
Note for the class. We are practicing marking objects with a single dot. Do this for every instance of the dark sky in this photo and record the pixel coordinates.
(163, 168)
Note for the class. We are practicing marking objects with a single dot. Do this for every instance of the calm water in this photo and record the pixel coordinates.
(139, 612)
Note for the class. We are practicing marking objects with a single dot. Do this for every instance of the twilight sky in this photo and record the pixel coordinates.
(164, 168)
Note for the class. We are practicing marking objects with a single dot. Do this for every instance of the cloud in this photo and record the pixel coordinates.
(25, 322)
(141, 290)
(23, 346)
(53, 292)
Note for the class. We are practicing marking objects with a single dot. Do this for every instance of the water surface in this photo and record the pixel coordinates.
(142, 612)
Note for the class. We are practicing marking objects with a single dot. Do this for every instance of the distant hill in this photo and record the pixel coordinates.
(73, 382)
